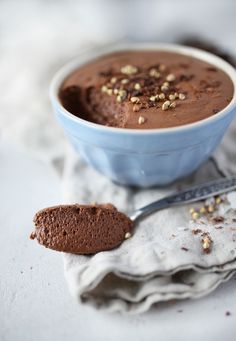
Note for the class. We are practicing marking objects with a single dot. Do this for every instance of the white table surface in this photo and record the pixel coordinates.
(34, 300)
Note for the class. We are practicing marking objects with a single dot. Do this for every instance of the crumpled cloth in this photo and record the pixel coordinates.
(26, 119)
(164, 259)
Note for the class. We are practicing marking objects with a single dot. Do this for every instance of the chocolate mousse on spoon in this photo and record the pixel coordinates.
(82, 229)
(88, 229)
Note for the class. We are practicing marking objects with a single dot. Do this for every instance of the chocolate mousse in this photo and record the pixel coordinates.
(81, 229)
(146, 89)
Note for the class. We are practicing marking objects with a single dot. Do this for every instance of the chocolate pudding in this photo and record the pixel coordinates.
(81, 229)
(146, 89)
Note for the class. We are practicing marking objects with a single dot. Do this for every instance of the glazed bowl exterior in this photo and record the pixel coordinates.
(146, 157)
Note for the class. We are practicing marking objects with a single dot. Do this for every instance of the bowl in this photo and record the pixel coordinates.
(144, 157)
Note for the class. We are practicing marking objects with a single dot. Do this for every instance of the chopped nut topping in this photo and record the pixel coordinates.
(141, 120)
(109, 92)
(195, 215)
(124, 81)
(164, 88)
(171, 97)
(113, 80)
(135, 99)
(206, 242)
(144, 82)
(154, 73)
(104, 88)
(129, 70)
(202, 210)
(182, 97)
(122, 92)
(153, 98)
(136, 107)
(165, 105)
(176, 95)
(208, 209)
(162, 96)
(172, 105)
(211, 209)
(170, 77)
(128, 235)
(121, 95)
(137, 86)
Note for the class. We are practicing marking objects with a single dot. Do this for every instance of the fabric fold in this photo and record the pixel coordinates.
(164, 259)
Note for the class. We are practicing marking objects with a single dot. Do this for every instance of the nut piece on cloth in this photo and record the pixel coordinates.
(163, 260)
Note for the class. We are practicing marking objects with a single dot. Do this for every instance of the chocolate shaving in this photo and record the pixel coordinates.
(196, 231)
(184, 65)
(217, 219)
(186, 78)
(211, 69)
(107, 73)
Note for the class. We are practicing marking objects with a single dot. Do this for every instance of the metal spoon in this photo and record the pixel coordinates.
(73, 228)
(192, 194)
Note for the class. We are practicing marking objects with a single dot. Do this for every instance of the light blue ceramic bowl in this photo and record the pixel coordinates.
(144, 157)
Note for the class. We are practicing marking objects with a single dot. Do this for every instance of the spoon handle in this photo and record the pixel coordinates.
(187, 196)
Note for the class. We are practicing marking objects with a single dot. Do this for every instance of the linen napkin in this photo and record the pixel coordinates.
(164, 258)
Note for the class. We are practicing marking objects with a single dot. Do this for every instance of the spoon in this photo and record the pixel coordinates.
(187, 196)
(88, 229)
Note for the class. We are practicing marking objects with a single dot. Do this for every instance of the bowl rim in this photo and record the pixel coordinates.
(89, 55)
